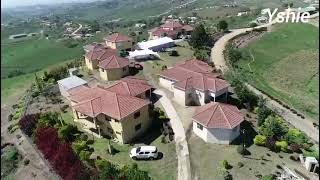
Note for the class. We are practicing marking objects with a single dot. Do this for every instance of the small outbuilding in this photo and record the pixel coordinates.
(69, 83)
(217, 122)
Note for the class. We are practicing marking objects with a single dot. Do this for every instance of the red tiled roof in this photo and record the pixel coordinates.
(130, 86)
(170, 33)
(98, 100)
(114, 62)
(218, 115)
(187, 27)
(99, 54)
(117, 37)
(171, 24)
(194, 74)
(78, 89)
(202, 82)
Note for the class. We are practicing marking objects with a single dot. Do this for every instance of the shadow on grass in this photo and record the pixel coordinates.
(150, 135)
(247, 137)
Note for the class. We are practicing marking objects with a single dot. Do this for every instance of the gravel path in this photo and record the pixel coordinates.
(182, 150)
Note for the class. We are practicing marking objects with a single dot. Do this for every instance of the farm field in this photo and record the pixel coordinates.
(35, 54)
(285, 65)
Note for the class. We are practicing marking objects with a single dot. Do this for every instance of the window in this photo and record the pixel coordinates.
(118, 133)
(107, 118)
(147, 152)
(199, 126)
(102, 70)
(136, 115)
(110, 130)
(137, 127)
(115, 120)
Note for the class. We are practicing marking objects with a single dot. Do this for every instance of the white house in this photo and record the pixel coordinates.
(69, 83)
(217, 122)
(193, 83)
(157, 44)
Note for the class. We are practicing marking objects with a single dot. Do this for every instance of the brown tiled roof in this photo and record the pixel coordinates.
(160, 32)
(98, 100)
(194, 74)
(114, 62)
(117, 37)
(218, 115)
(98, 54)
(130, 86)
(171, 24)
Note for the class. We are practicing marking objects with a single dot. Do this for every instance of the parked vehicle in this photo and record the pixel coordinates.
(144, 152)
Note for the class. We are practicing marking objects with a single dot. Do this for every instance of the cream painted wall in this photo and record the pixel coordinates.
(179, 96)
(119, 45)
(113, 74)
(91, 64)
(129, 123)
(217, 136)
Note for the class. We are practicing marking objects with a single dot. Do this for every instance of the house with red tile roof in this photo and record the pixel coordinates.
(217, 122)
(113, 68)
(132, 86)
(115, 111)
(193, 83)
(119, 41)
(171, 28)
(96, 53)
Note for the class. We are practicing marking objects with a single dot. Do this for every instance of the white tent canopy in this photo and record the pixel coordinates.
(155, 42)
(71, 82)
(142, 54)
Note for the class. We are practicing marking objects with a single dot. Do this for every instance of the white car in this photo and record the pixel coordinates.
(144, 152)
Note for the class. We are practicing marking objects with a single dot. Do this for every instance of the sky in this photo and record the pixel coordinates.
(16, 3)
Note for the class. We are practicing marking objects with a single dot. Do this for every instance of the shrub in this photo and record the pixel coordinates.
(68, 132)
(164, 67)
(28, 123)
(274, 126)
(26, 162)
(313, 153)
(295, 147)
(10, 117)
(64, 107)
(90, 141)
(225, 164)
(240, 164)
(260, 140)
(173, 53)
(296, 136)
(268, 177)
(84, 155)
(282, 146)
(83, 137)
(271, 143)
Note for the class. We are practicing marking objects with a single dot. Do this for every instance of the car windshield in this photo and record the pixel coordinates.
(138, 149)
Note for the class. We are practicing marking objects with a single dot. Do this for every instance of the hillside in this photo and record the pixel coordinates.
(285, 65)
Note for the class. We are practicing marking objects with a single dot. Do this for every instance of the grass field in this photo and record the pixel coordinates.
(286, 66)
(34, 54)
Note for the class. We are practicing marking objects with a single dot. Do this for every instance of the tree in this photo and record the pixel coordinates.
(95, 26)
(201, 54)
(222, 25)
(68, 132)
(109, 171)
(296, 136)
(47, 141)
(199, 37)
(234, 55)
(263, 112)
(274, 126)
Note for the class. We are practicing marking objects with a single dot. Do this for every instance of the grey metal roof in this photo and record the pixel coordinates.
(71, 82)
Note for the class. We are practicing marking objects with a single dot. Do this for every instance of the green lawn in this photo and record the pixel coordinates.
(205, 158)
(286, 66)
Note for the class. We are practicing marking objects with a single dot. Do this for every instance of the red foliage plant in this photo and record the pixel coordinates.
(28, 123)
(60, 155)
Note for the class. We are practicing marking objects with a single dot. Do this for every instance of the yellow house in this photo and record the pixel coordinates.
(107, 113)
(113, 68)
(119, 42)
(97, 54)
